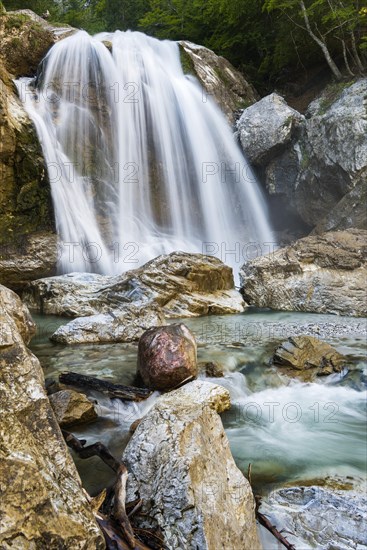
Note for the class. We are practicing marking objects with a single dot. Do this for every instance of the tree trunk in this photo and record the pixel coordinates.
(345, 56)
(321, 43)
(355, 53)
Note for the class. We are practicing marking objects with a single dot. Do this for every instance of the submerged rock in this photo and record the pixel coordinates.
(42, 502)
(220, 80)
(71, 407)
(181, 467)
(121, 308)
(167, 356)
(322, 274)
(306, 352)
(318, 517)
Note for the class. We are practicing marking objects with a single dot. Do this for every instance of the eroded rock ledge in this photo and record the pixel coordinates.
(181, 466)
(322, 274)
(116, 309)
(42, 504)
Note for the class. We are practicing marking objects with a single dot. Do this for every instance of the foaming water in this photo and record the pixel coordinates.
(298, 430)
(139, 163)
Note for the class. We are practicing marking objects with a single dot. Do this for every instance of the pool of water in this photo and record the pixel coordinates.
(287, 429)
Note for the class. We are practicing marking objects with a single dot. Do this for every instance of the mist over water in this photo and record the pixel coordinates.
(141, 161)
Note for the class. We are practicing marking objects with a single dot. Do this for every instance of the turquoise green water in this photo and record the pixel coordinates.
(287, 430)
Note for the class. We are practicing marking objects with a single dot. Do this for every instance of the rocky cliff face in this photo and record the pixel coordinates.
(42, 504)
(315, 165)
(25, 202)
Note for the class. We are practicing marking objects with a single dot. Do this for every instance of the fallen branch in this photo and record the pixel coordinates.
(113, 538)
(274, 531)
(98, 449)
(119, 510)
(263, 520)
(130, 393)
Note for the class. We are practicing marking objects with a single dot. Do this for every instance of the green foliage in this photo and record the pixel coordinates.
(267, 39)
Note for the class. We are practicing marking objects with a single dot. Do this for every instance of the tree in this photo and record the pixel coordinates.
(324, 21)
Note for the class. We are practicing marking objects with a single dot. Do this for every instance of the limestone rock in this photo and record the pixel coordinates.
(167, 356)
(267, 127)
(219, 78)
(121, 308)
(181, 284)
(181, 466)
(318, 517)
(42, 504)
(24, 42)
(334, 153)
(117, 326)
(350, 211)
(71, 407)
(320, 273)
(306, 352)
(29, 258)
(310, 163)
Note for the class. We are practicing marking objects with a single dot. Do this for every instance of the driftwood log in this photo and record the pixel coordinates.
(129, 393)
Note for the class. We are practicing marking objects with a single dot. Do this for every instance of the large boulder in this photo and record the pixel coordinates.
(167, 356)
(120, 308)
(322, 273)
(125, 325)
(309, 163)
(266, 128)
(305, 353)
(181, 466)
(219, 78)
(42, 503)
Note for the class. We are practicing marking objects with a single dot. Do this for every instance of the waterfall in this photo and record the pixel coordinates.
(140, 162)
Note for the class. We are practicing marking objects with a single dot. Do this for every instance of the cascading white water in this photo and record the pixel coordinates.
(139, 163)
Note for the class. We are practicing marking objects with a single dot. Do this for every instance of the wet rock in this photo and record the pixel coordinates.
(25, 200)
(167, 356)
(318, 517)
(181, 284)
(42, 503)
(121, 308)
(323, 274)
(181, 466)
(71, 407)
(220, 80)
(24, 42)
(350, 211)
(31, 257)
(212, 370)
(117, 326)
(306, 352)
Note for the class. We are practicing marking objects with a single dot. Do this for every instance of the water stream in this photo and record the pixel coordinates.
(289, 430)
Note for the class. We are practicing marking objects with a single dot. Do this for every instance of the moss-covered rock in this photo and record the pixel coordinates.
(219, 78)
(25, 201)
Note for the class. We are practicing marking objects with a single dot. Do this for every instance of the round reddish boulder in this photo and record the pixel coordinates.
(167, 356)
